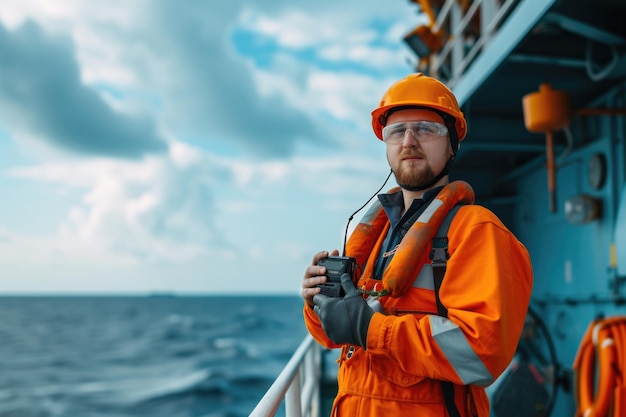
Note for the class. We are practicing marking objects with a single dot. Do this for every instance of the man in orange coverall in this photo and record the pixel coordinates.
(407, 349)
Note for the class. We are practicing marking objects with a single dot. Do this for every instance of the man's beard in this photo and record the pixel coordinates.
(413, 178)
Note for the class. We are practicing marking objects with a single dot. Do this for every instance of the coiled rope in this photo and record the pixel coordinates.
(603, 347)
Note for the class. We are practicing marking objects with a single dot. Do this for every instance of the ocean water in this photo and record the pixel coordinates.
(143, 356)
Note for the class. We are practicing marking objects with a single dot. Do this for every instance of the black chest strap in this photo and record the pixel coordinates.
(439, 257)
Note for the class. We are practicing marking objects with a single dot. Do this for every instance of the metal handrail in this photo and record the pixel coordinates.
(457, 53)
(298, 385)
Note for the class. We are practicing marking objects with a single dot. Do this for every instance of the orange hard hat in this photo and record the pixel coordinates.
(419, 90)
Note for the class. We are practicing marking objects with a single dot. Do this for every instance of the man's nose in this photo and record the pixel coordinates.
(409, 141)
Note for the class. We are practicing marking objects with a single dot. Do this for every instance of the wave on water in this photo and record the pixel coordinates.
(131, 357)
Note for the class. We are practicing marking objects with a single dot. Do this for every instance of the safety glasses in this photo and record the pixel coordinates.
(422, 131)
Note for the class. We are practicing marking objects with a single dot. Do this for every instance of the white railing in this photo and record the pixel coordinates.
(466, 27)
(298, 385)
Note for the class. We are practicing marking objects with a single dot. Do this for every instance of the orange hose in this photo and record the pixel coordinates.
(604, 347)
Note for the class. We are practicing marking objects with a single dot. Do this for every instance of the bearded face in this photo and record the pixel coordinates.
(412, 171)
(418, 163)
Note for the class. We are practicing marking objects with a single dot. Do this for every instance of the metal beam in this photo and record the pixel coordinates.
(504, 146)
(583, 29)
(513, 30)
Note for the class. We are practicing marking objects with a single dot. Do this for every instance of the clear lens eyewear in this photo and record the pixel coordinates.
(422, 130)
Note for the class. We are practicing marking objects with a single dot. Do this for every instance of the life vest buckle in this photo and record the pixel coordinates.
(439, 254)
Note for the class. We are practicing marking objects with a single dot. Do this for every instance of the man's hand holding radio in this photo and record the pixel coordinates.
(314, 276)
(344, 320)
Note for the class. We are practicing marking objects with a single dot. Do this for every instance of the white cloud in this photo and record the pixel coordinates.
(259, 159)
(292, 28)
(369, 61)
(165, 208)
(152, 209)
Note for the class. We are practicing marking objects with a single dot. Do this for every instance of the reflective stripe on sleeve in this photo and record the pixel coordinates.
(459, 353)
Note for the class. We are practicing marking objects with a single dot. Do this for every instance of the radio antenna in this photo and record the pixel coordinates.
(345, 236)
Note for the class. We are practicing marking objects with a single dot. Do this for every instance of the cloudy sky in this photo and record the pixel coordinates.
(190, 146)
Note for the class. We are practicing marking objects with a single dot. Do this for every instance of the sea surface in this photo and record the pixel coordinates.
(143, 356)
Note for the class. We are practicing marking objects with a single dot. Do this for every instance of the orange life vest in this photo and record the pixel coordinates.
(369, 234)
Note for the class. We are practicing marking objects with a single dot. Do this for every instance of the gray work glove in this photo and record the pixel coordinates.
(345, 320)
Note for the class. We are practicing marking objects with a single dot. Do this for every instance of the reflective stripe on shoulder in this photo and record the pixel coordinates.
(429, 211)
(425, 278)
(371, 213)
(459, 353)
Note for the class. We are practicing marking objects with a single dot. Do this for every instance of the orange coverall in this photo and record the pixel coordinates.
(410, 349)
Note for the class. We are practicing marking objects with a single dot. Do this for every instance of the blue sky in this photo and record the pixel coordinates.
(192, 146)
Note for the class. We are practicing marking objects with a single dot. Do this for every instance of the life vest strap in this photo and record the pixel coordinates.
(439, 257)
